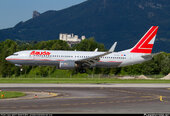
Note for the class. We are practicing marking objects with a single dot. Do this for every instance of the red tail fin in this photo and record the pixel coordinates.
(145, 44)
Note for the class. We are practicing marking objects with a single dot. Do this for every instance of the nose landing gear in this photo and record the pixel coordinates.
(18, 65)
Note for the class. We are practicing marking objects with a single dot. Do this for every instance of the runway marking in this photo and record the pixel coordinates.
(105, 102)
(97, 97)
(132, 92)
(53, 94)
(146, 96)
(161, 99)
(83, 97)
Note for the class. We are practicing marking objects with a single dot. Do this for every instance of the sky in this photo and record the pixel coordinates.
(14, 11)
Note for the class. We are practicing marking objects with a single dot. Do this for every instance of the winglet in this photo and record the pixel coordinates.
(112, 49)
(96, 50)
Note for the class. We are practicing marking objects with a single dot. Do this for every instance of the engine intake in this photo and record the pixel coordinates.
(67, 65)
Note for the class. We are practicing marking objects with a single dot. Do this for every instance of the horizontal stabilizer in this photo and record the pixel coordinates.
(154, 54)
(147, 56)
(150, 55)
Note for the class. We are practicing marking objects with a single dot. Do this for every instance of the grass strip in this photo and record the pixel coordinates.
(79, 80)
(10, 94)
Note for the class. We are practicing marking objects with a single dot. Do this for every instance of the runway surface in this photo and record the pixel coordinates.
(91, 99)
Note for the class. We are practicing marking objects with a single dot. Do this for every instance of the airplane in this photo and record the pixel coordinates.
(141, 52)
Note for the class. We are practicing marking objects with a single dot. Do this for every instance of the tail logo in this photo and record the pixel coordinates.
(146, 43)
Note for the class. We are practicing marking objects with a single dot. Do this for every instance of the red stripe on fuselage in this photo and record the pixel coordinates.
(51, 60)
(35, 59)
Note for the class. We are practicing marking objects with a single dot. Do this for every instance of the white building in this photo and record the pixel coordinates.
(71, 38)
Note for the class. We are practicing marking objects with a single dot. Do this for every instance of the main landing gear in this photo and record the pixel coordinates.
(81, 70)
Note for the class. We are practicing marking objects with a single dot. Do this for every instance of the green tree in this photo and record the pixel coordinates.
(89, 45)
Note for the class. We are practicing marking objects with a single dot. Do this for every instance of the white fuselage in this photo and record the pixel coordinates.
(54, 57)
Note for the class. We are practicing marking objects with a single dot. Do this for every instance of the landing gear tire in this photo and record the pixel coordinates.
(82, 71)
(21, 69)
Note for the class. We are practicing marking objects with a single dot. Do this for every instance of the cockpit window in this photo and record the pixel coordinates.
(15, 54)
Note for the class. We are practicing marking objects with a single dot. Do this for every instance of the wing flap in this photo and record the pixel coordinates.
(91, 61)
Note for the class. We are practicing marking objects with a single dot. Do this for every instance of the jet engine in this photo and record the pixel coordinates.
(67, 65)
(18, 65)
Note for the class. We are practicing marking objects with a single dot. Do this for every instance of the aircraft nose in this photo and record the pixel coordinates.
(7, 58)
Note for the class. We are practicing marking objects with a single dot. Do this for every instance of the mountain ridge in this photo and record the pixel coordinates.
(124, 21)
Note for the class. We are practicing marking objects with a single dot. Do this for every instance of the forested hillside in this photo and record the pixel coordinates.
(158, 65)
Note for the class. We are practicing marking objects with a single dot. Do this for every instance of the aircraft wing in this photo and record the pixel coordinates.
(91, 61)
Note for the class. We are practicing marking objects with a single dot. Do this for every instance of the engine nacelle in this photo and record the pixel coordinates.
(18, 65)
(67, 65)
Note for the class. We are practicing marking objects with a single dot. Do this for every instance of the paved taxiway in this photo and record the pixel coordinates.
(91, 99)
